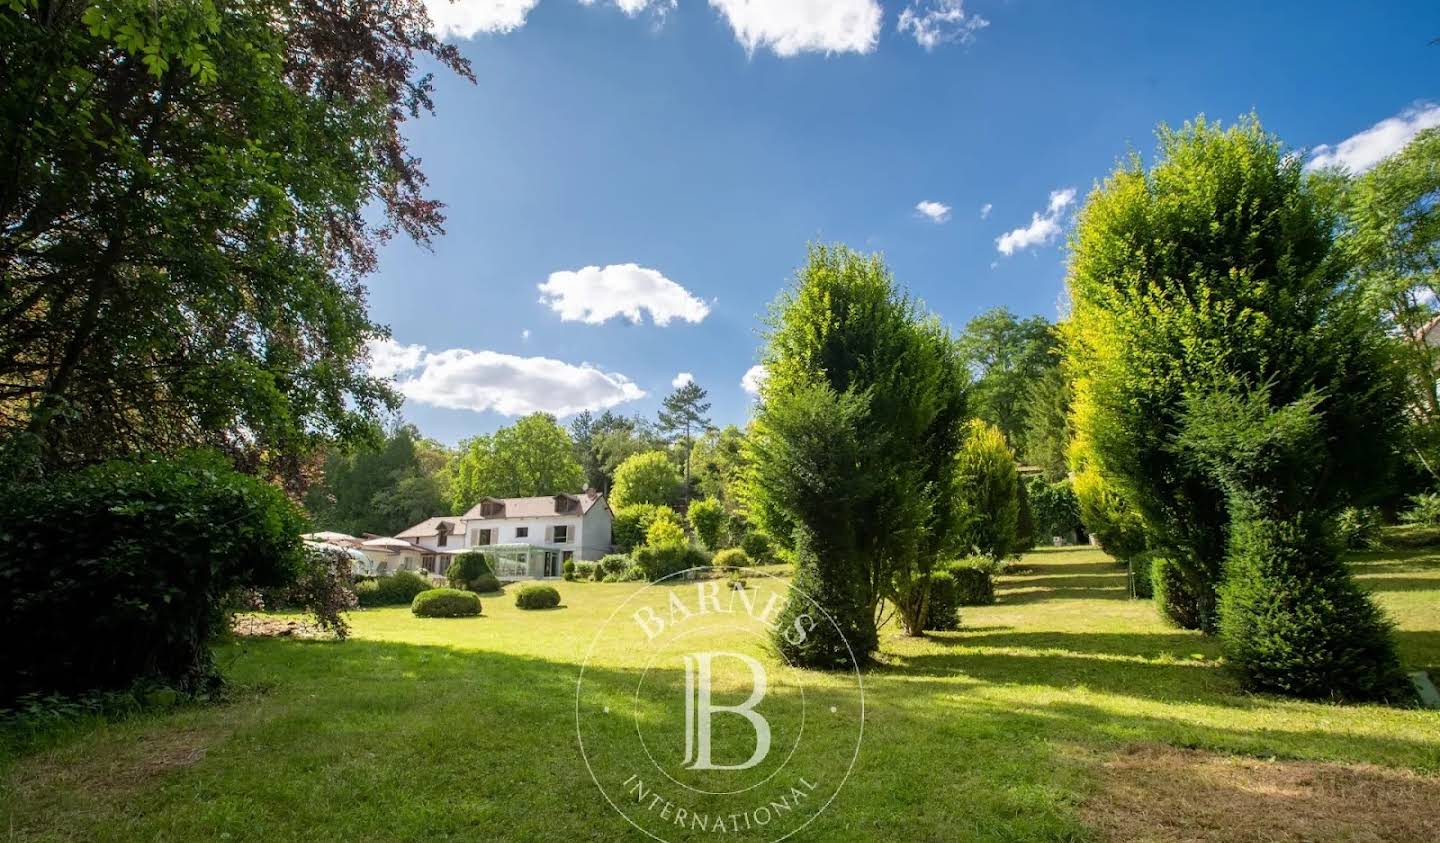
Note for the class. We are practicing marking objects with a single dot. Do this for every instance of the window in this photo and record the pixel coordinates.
(482, 537)
(428, 562)
(442, 535)
(562, 534)
(567, 555)
(522, 532)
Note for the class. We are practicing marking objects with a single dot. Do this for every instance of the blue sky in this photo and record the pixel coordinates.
(707, 141)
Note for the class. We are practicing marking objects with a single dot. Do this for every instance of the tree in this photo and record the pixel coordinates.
(1007, 355)
(718, 465)
(988, 490)
(1233, 386)
(1392, 235)
(534, 456)
(602, 442)
(645, 478)
(1047, 431)
(683, 412)
(852, 452)
(707, 520)
(192, 196)
(380, 490)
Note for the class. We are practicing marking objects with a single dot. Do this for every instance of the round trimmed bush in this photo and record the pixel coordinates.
(730, 557)
(569, 570)
(485, 584)
(466, 570)
(535, 596)
(446, 603)
(398, 589)
(756, 546)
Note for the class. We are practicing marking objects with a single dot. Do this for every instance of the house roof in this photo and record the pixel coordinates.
(389, 545)
(431, 527)
(329, 536)
(536, 507)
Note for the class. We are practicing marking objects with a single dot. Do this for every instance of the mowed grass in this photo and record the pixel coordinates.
(464, 729)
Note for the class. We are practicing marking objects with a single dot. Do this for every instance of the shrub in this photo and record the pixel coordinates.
(123, 572)
(613, 563)
(988, 491)
(756, 546)
(974, 581)
(586, 571)
(647, 478)
(634, 573)
(707, 519)
(1056, 511)
(943, 614)
(536, 596)
(661, 561)
(1293, 621)
(824, 646)
(367, 593)
(446, 603)
(323, 589)
(1140, 581)
(398, 589)
(1424, 509)
(467, 568)
(730, 557)
(665, 529)
(1025, 536)
(631, 523)
(1358, 528)
(1107, 516)
(568, 569)
(485, 584)
(735, 580)
(1178, 597)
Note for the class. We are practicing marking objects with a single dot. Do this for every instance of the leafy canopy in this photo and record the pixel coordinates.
(534, 456)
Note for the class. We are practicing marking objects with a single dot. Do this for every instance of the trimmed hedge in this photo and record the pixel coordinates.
(1178, 597)
(536, 596)
(974, 581)
(466, 570)
(1140, 566)
(122, 573)
(730, 557)
(397, 589)
(943, 613)
(446, 603)
(660, 562)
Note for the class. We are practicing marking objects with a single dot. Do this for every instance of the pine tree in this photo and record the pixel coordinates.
(683, 412)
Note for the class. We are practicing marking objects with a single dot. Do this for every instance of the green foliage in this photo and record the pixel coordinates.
(1055, 507)
(534, 456)
(647, 478)
(1107, 516)
(663, 560)
(614, 563)
(852, 451)
(707, 519)
(943, 611)
(812, 628)
(987, 490)
(536, 596)
(467, 568)
(446, 603)
(756, 546)
(1424, 509)
(380, 490)
(665, 529)
(730, 557)
(1047, 423)
(632, 523)
(485, 584)
(1140, 567)
(974, 580)
(634, 573)
(1359, 528)
(187, 217)
(397, 589)
(1293, 621)
(587, 571)
(682, 414)
(121, 573)
(1024, 520)
(603, 442)
(323, 588)
(568, 568)
(1180, 598)
(717, 466)
(1009, 355)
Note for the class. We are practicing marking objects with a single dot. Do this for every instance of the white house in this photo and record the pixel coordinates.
(529, 537)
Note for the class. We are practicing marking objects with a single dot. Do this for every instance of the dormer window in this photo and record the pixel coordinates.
(492, 509)
(441, 534)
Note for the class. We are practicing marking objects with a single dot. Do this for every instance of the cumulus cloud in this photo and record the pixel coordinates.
(467, 18)
(682, 379)
(461, 379)
(936, 22)
(1362, 151)
(525, 334)
(753, 378)
(594, 295)
(1042, 227)
(789, 27)
(985, 210)
(634, 7)
(934, 211)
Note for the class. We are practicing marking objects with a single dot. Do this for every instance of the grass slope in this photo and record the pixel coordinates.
(463, 729)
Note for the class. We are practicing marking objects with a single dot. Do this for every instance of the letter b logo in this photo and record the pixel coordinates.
(699, 708)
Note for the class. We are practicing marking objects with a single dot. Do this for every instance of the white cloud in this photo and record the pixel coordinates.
(466, 18)
(935, 22)
(461, 379)
(389, 358)
(934, 211)
(985, 210)
(1042, 227)
(635, 7)
(788, 27)
(682, 379)
(1360, 152)
(753, 378)
(525, 334)
(594, 295)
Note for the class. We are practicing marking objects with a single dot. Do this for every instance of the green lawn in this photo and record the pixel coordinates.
(465, 729)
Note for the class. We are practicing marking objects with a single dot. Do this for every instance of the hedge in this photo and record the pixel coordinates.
(446, 603)
(397, 589)
(730, 557)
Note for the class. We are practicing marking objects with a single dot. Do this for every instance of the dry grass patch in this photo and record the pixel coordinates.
(1157, 793)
